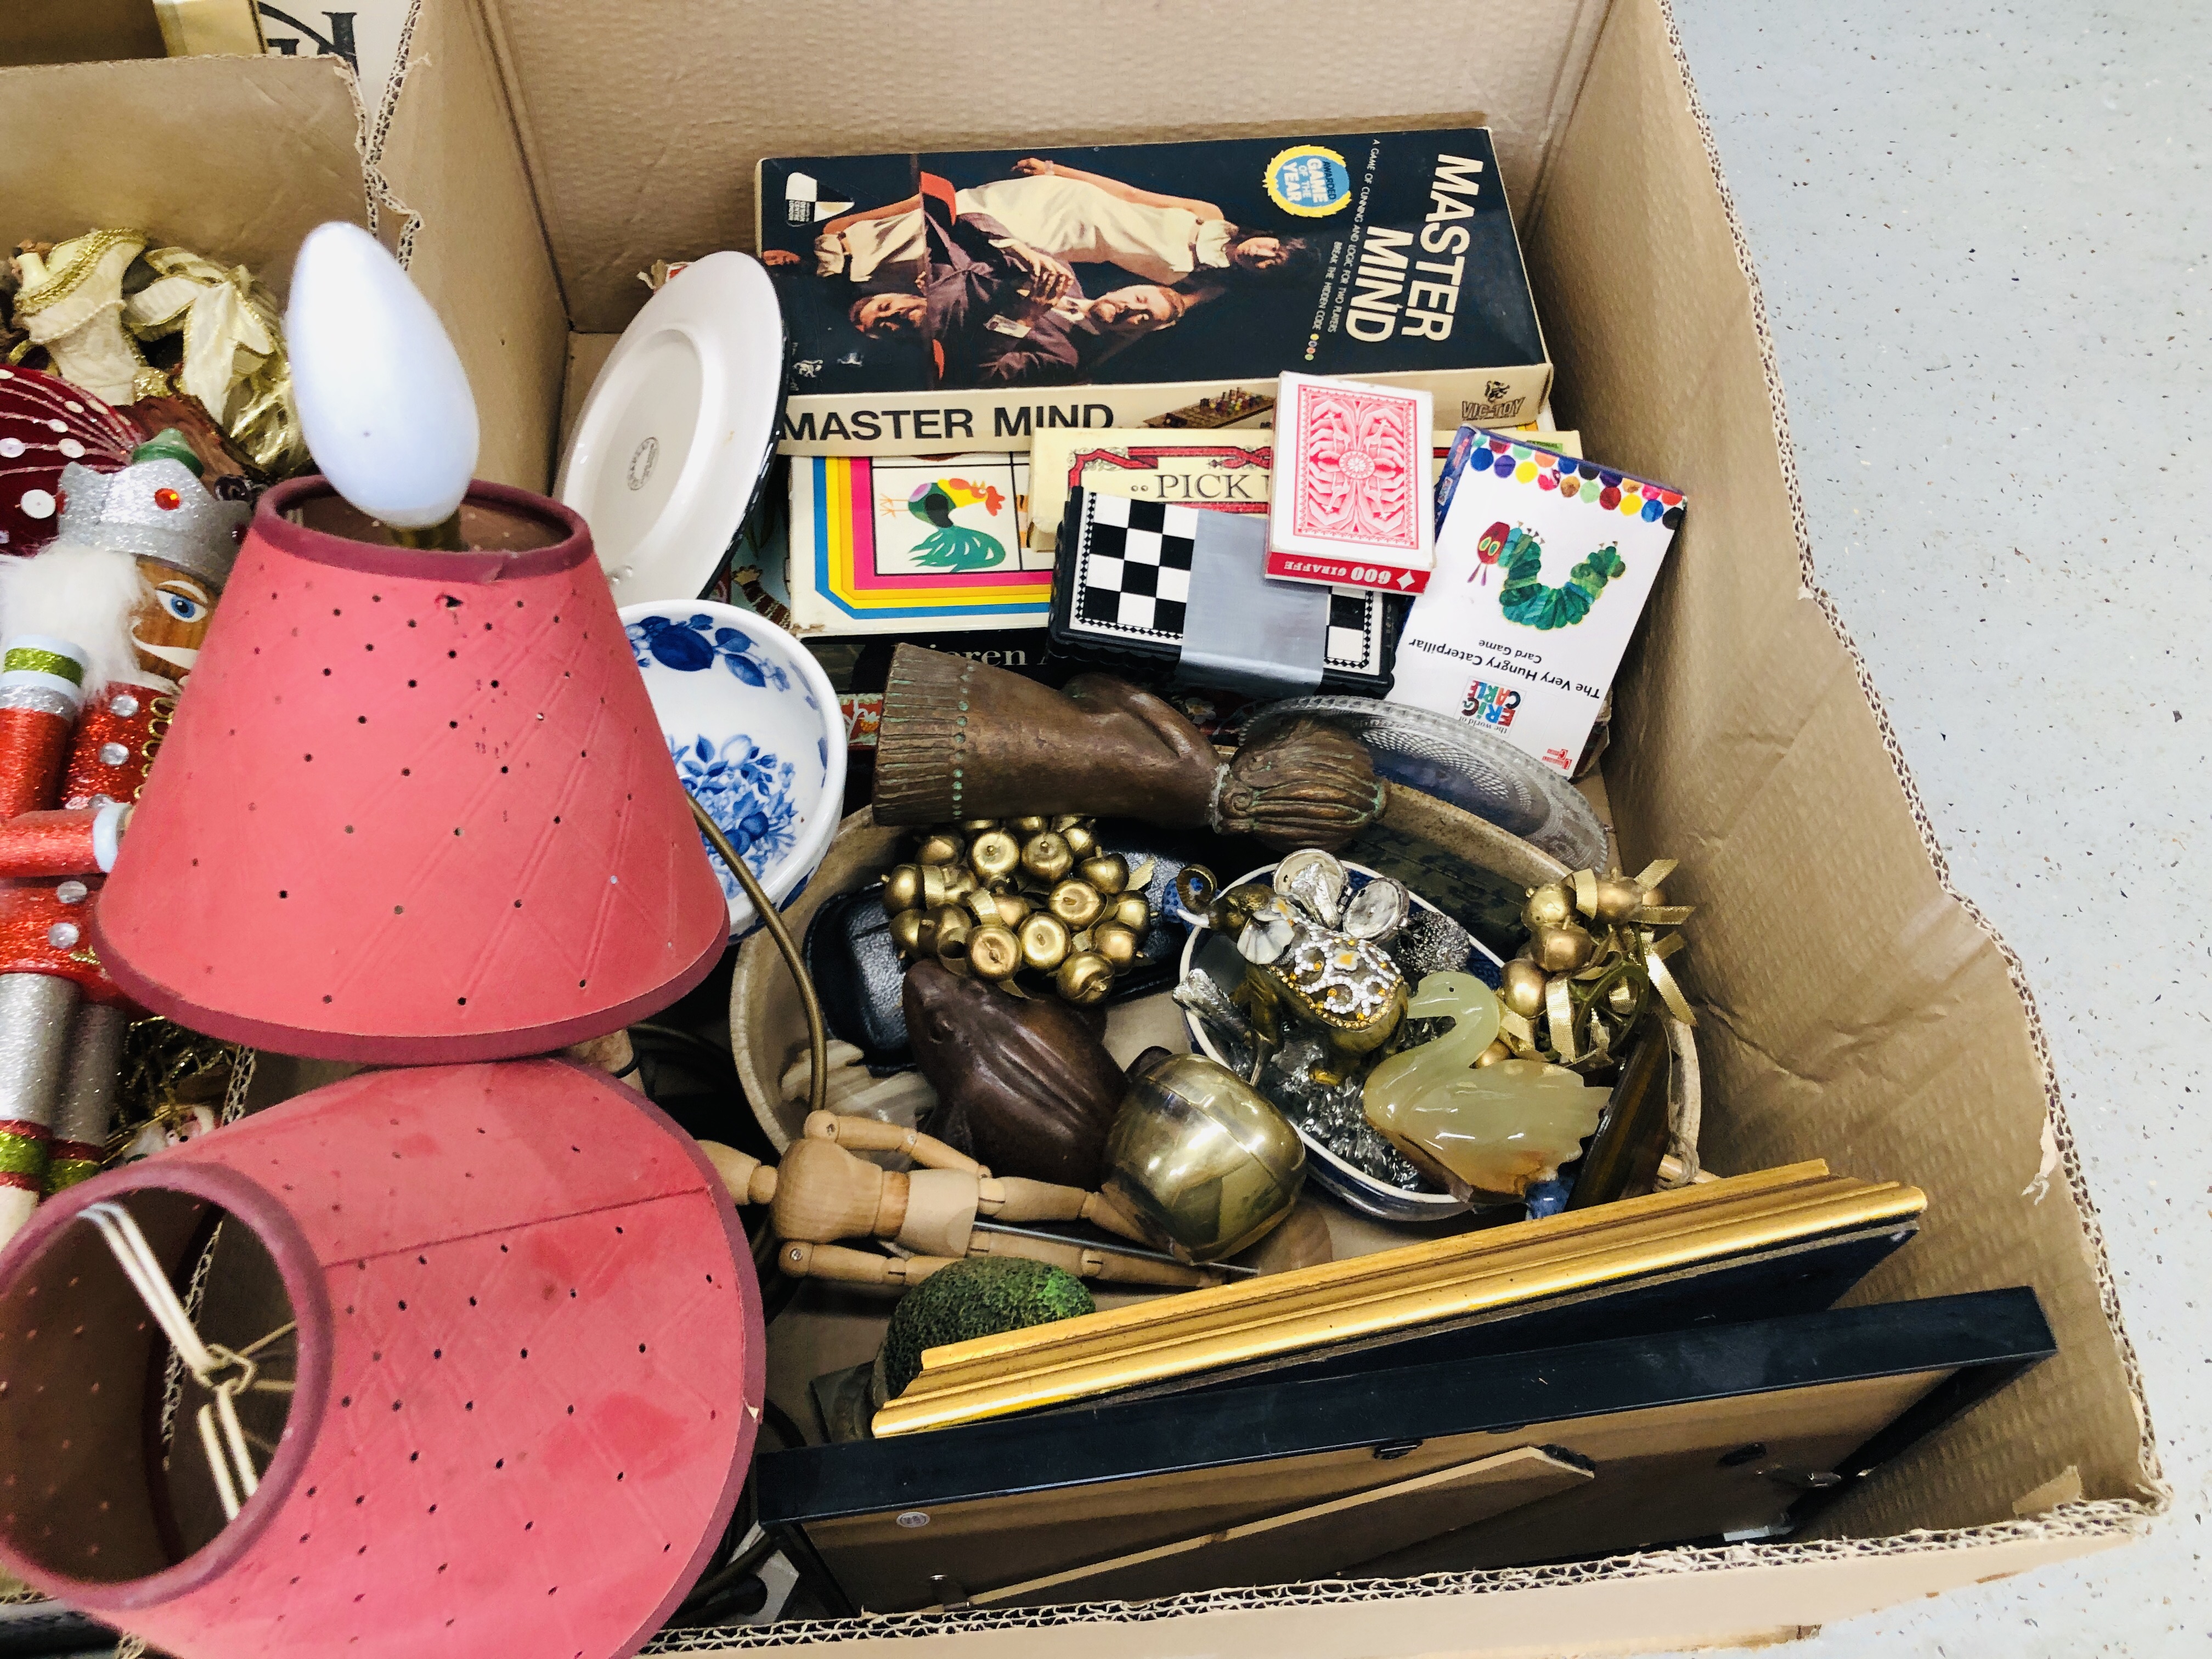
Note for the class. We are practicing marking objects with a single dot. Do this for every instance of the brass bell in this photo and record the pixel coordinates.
(902, 889)
(1199, 1158)
(1077, 904)
(995, 855)
(1133, 913)
(1081, 839)
(1497, 1051)
(1062, 822)
(1523, 988)
(978, 826)
(1561, 950)
(1618, 898)
(1108, 872)
(941, 847)
(1045, 856)
(1029, 825)
(906, 931)
(950, 940)
(1083, 978)
(1044, 940)
(1549, 906)
(994, 952)
(1116, 943)
(1012, 907)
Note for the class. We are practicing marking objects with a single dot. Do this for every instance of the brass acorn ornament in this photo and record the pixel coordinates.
(1028, 904)
(1595, 963)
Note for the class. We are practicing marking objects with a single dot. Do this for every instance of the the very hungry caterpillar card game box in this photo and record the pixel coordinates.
(1543, 564)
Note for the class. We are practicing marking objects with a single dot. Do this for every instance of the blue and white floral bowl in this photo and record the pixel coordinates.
(755, 732)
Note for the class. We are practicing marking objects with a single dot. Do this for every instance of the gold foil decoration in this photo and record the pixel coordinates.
(71, 303)
(234, 361)
(168, 1075)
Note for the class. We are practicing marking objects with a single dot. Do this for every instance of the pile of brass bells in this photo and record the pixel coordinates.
(1594, 960)
(1030, 904)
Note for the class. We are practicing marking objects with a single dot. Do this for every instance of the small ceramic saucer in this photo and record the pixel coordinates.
(1461, 761)
(755, 732)
(676, 439)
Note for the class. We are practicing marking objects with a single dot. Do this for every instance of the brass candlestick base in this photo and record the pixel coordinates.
(444, 537)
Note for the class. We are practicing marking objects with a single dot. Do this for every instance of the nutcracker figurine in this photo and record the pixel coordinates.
(97, 632)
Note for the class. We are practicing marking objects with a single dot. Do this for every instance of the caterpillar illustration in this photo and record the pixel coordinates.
(1525, 599)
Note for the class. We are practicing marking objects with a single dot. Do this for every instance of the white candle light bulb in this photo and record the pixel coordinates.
(383, 401)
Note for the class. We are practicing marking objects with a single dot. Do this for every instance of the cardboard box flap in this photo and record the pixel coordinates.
(1852, 1007)
(471, 239)
(236, 158)
(642, 123)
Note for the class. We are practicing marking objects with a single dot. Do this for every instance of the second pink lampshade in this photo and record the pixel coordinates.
(416, 805)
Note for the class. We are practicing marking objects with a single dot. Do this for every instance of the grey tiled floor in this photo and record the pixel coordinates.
(1985, 233)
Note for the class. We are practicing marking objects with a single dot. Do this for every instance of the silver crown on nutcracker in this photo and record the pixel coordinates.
(153, 509)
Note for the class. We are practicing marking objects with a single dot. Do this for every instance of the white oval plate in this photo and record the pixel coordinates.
(753, 730)
(676, 439)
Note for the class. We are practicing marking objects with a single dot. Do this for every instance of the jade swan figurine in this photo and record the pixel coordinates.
(1488, 1134)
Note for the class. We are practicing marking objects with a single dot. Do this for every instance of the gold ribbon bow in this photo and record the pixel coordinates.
(1578, 990)
(234, 361)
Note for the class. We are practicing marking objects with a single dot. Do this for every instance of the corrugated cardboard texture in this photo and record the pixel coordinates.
(237, 158)
(1661, 1601)
(1850, 1007)
(642, 123)
(450, 158)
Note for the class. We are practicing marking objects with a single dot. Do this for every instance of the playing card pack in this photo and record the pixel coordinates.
(1350, 502)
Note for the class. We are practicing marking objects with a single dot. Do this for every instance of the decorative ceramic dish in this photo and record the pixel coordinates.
(753, 730)
(1459, 762)
(1214, 954)
(676, 438)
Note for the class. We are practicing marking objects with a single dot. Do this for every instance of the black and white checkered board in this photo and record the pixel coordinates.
(1131, 582)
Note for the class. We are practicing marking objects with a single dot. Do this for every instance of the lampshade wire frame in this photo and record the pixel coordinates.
(235, 1477)
(817, 1036)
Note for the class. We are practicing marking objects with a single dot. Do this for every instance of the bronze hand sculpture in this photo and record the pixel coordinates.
(962, 740)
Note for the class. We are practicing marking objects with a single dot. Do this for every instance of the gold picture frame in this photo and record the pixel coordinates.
(1340, 1302)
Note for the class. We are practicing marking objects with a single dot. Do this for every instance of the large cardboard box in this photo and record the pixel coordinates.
(536, 154)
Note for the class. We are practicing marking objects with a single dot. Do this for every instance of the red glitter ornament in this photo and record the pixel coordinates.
(45, 424)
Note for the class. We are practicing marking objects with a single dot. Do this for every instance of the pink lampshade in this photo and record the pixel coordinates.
(530, 1360)
(416, 805)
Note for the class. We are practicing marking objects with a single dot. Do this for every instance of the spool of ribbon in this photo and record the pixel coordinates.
(1595, 961)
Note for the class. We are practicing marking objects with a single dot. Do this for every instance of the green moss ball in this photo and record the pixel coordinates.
(980, 1297)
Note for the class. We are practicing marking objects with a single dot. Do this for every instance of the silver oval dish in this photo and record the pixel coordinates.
(1208, 951)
